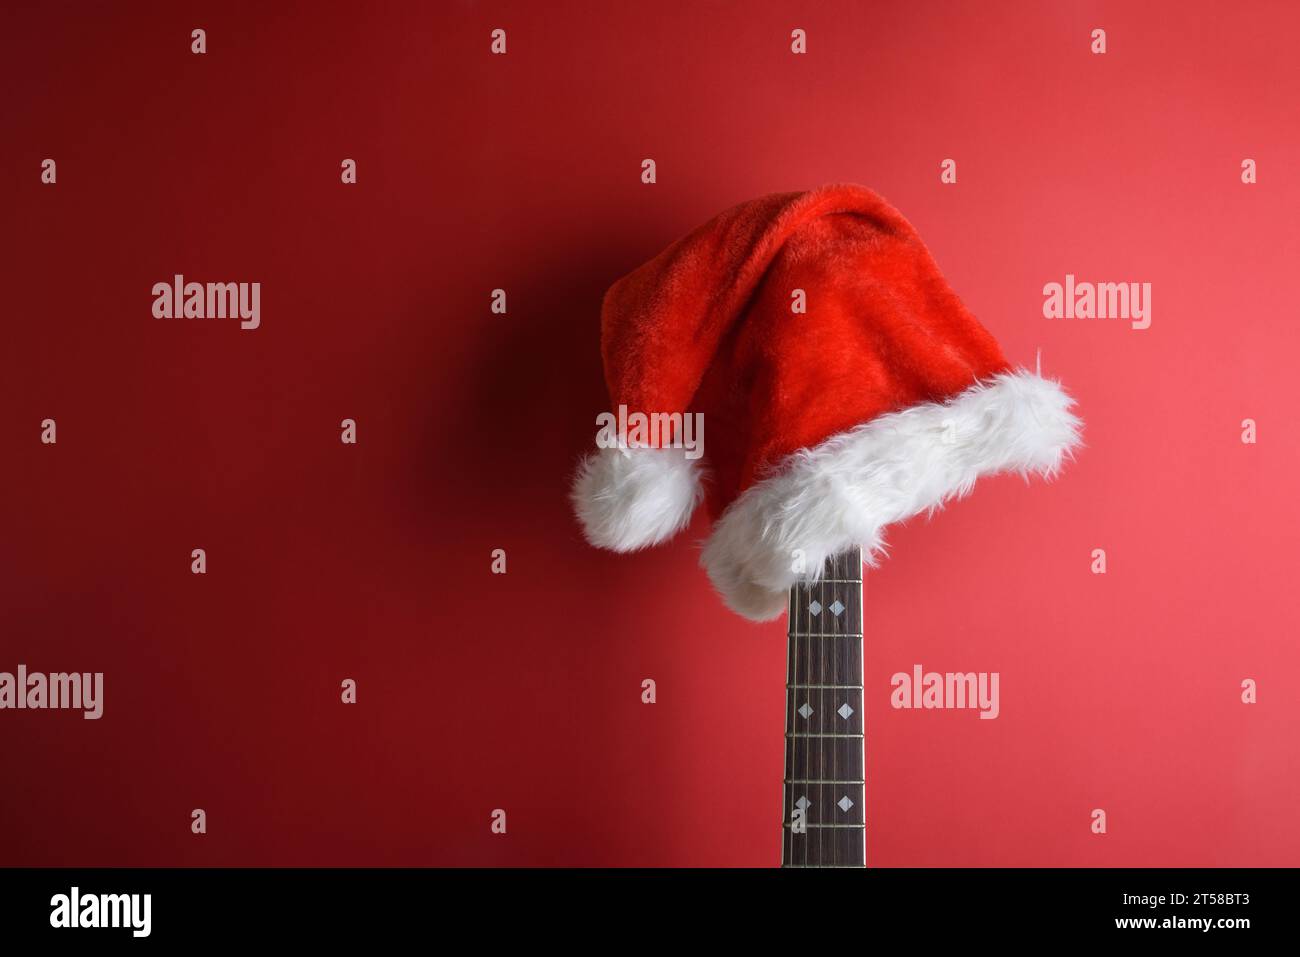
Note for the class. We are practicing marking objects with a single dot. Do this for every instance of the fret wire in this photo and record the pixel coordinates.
(835, 687)
(824, 634)
(830, 826)
(824, 781)
(802, 734)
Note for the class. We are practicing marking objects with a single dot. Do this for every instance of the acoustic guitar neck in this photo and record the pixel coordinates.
(825, 760)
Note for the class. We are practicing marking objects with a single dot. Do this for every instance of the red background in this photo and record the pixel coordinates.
(522, 172)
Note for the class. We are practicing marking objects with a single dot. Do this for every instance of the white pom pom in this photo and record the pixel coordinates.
(627, 499)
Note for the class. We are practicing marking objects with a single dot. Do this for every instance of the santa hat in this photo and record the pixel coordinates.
(844, 386)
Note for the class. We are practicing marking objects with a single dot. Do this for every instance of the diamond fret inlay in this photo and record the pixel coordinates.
(845, 711)
(836, 608)
(845, 803)
(815, 608)
(805, 710)
(803, 803)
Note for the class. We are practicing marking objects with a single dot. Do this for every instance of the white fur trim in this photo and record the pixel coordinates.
(845, 491)
(633, 498)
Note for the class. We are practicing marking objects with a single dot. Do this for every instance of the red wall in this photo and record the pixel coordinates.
(522, 691)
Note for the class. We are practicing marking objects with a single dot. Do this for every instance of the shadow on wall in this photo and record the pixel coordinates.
(533, 384)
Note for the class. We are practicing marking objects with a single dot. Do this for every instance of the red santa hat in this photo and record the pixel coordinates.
(844, 386)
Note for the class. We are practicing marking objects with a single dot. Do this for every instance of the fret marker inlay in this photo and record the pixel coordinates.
(836, 608)
(845, 711)
(805, 710)
(816, 608)
(845, 803)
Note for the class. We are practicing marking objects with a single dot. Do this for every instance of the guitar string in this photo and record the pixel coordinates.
(837, 666)
(841, 655)
(807, 741)
(831, 572)
(841, 621)
(821, 720)
(862, 681)
(792, 679)
(849, 626)
(853, 626)
(797, 595)
(858, 628)
(810, 743)
(792, 719)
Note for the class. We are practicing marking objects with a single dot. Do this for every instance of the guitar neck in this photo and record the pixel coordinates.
(825, 761)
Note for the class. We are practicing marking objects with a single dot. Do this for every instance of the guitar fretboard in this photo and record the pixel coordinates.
(825, 764)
